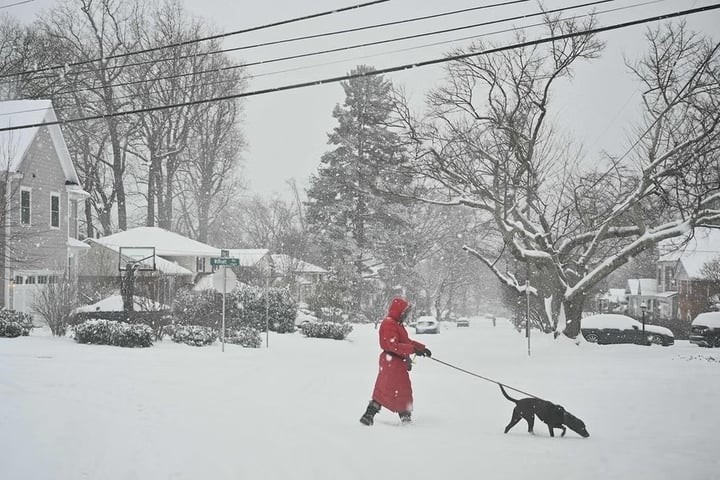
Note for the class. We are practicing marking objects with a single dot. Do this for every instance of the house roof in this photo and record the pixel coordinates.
(286, 264)
(164, 266)
(616, 295)
(692, 251)
(166, 243)
(15, 143)
(641, 286)
(249, 257)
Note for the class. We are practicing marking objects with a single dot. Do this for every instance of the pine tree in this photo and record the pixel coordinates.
(344, 205)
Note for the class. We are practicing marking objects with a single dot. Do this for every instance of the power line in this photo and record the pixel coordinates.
(318, 35)
(354, 47)
(472, 37)
(16, 4)
(197, 40)
(382, 71)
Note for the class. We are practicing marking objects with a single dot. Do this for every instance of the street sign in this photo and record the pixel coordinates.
(224, 261)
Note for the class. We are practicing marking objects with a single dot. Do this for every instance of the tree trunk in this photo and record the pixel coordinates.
(573, 314)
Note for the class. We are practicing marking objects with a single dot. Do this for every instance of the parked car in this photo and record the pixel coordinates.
(427, 324)
(608, 328)
(705, 330)
(463, 322)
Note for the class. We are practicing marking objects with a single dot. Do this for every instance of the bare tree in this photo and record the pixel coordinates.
(95, 35)
(489, 146)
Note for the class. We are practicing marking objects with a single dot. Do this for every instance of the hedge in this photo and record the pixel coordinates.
(336, 331)
(109, 332)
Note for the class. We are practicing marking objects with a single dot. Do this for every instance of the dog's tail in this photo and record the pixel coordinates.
(506, 394)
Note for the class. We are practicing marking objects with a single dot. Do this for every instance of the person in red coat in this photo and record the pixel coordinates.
(392, 386)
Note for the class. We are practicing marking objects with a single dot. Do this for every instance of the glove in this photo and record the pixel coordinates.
(423, 352)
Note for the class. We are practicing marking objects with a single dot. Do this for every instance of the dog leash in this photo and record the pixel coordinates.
(485, 378)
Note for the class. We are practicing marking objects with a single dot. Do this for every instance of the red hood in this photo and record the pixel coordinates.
(397, 308)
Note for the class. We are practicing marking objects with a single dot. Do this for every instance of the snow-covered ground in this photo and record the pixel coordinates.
(71, 411)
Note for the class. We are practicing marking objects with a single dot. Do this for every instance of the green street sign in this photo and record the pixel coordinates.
(224, 261)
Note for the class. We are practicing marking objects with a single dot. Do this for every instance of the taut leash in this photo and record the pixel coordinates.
(485, 378)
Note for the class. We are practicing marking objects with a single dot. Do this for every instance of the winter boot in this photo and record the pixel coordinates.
(405, 418)
(372, 408)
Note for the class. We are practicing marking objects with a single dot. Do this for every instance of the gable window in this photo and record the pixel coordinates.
(200, 264)
(25, 207)
(55, 210)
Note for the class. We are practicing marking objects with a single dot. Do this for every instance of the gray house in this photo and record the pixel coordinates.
(38, 204)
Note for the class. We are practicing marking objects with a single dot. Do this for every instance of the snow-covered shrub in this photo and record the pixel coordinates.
(156, 320)
(247, 337)
(199, 308)
(109, 332)
(249, 308)
(195, 335)
(14, 324)
(336, 331)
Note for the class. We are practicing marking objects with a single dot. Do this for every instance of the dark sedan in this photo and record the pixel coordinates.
(609, 328)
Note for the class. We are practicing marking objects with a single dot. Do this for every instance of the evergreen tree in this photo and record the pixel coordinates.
(345, 206)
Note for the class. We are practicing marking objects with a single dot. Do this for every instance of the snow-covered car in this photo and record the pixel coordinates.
(463, 322)
(705, 330)
(608, 328)
(427, 324)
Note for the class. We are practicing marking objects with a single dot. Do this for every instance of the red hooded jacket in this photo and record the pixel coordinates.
(392, 386)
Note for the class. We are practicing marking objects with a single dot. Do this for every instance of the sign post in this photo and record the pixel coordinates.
(224, 262)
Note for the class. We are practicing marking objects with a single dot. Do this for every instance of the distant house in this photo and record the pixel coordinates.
(639, 292)
(255, 264)
(39, 196)
(302, 277)
(100, 267)
(679, 272)
(190, 254)
(613, 301)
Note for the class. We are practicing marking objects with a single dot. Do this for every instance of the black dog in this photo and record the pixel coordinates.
(553, 415)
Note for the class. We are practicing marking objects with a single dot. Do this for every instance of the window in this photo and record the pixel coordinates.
(30, 280)
(43, 279)
(53, 279)
(19, 279)
(25, 207)
(200, 264)
(55, 210)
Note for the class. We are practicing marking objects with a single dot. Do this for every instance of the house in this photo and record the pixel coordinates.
(639, 292)
(613, 301)
(302, 277)
(680, 272)
(177, 249)
(100, 267)
(255, 264)
(39, 203)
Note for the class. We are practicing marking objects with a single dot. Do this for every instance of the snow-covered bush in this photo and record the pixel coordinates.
(14, 324)
(199, 308)
(249, 308)
(195, 335)
(109, 332)
(336, 331)
(244, 307)
(156, 320)
(247, 337)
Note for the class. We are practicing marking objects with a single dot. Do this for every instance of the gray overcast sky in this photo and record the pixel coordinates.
(287, 131)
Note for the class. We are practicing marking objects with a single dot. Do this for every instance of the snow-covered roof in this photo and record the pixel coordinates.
(114, 303)
(249, 257)
(642, 286)
(703, 247)
(162, 265)
(286, 264)
(616, 295)
(15, 143)
(215, 281)
(166, 243)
